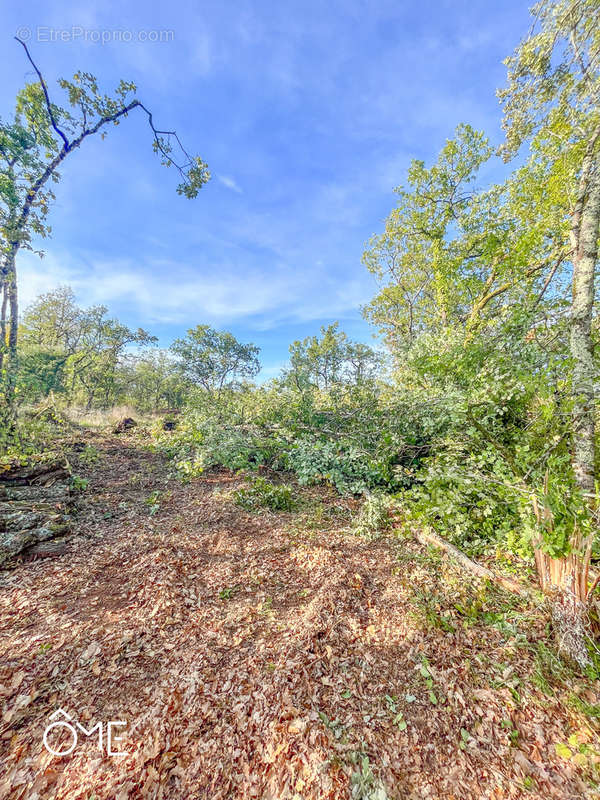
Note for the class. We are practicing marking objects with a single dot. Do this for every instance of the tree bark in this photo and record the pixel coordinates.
(3, 308)
(566, 578)
(585, 255)
(9, 331)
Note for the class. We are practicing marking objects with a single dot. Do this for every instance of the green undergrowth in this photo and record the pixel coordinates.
(260, 493)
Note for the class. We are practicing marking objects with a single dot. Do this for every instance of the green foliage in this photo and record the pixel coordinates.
(74, 352)
(347, 467)
(32, 148)
(262, 494)
(214, 359)
(474, 307)
(451, 255)
(201, 441)
(365, 785)
(153, 502)
(89, 455)
(554, 76)
(79, 484)
(151, 380)
(375, 516)
(507, 443)
(329, 360)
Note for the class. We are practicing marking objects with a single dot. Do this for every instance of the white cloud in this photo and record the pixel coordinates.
(230, 183)
(168, 292)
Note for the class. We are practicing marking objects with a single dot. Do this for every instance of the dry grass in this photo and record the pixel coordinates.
(104, 418)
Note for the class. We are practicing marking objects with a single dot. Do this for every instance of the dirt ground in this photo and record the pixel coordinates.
(272, 655)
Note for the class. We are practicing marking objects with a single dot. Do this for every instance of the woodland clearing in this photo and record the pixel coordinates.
(274, 655)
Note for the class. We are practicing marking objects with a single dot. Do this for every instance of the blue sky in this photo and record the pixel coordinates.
(308, 114)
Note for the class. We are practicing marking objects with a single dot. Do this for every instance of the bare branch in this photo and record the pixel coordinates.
(67, 146)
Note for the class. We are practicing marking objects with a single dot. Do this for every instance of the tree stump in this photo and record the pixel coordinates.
(125, 425)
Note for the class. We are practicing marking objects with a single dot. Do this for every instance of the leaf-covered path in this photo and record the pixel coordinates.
(270, 656)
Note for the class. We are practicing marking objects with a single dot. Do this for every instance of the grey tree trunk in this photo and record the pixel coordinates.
(10, 304)
(584, 260)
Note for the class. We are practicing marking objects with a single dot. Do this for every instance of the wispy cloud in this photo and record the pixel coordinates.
(262, 300)
(230, 183)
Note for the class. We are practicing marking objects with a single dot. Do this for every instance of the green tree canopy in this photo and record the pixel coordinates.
(215, 359)
(330, 359)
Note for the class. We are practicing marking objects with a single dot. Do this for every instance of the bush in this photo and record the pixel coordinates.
(374, 517)
(355, 440)
(349, 468)
(470, 509)
(262, 494)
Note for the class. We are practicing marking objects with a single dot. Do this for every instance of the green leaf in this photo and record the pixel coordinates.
(562, 750)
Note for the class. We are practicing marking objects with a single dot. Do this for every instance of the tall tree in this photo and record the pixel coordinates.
(32, 148)
(452, 255)
(152, 380)
(330, 359)
(551, 100)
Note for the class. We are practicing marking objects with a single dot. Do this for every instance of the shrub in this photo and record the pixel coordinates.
(375, 516)
(79, 484)
(349, 468)
(262, 494)
(201, 441)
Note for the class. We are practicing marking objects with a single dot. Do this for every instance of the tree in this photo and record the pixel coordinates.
(215, 359)
(83, 346)
(152, 380)
(494, 338)
(330, 359)
(454, 255)
(552, 101)
(32, 148)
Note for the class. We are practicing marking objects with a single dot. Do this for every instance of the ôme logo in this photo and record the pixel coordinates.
(61, 723)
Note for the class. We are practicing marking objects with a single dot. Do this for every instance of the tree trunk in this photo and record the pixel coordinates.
(13, 328)
(3, 309)
(582, 351)
(566, 578)
(9, 330)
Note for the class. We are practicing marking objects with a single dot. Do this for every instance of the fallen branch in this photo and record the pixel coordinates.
(38, 474)
(427, 538)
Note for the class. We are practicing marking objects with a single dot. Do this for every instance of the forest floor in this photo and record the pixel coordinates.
(273, 655)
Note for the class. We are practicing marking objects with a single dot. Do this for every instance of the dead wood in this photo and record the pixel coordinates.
(427, 538)
(34, 505)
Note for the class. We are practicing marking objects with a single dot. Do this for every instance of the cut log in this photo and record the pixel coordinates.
(32, 474)
(35, 500)
(427, 538)
(30, 494)
(12, 507)
(47, 549)
(14, 542)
